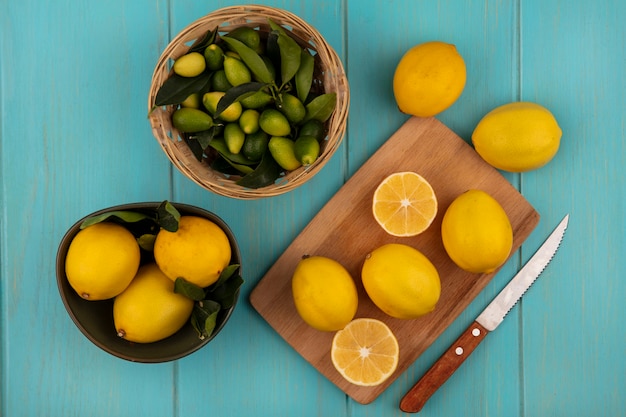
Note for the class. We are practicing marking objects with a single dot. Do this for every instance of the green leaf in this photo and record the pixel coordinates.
(219, 144)
(194, 146)
(176, 88)
(220, 164)
(200, 44)
(204, 317)
(241, 169)
(204, 138)
(146, 241)
(304, 76)
(125, 216)
(235, 94)
(321, 107)
(252, 60)
(265, 173)
(188, 289)
(209, 323)
(226, 293)
(276, 27)
(167, 216)
(226, 273)
(290, 54)
(272, 51)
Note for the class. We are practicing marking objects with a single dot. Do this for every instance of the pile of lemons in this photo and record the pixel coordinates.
(244, 100)
(104, 261)
(515, 137)
(476, 232)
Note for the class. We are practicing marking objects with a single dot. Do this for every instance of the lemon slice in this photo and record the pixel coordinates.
(404, 204)
(365, 352)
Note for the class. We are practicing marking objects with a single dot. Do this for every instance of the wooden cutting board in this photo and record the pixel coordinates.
(346, 231)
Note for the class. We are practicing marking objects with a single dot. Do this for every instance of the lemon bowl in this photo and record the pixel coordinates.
(95, 318)
(329, 77)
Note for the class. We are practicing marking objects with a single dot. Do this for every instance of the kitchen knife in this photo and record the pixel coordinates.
(487, 321)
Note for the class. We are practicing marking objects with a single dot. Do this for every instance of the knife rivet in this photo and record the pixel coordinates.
(476, 332)
(458, 351)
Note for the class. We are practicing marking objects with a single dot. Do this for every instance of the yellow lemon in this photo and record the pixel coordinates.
(149, 310)
(404, 204)
(365, 352)
(476, 232)
(429, 78)
(102, 260)
(324, 293)
(401, 281)
(198, 251)
(517, 137)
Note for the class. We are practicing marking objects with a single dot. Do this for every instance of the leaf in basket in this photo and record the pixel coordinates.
(219, 144)
(220, 164)
(321, 107)
(176, 88)
(241, 168)
(201, 44)
(167, 216)
(265, 173)
(304, 76)
(272, 51)
(194, 145)
(290, 55)
(125, 216)
(276, 27)
(251, 59)
(237, 93)
(204, 138)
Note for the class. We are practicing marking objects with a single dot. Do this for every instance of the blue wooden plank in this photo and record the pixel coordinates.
(74, 139)
(573, 57)
(489, 380)
(250, 369)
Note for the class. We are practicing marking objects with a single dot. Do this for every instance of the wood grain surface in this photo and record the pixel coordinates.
(346, 231)
(74, 138)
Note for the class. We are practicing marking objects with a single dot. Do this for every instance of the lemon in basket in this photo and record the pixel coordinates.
(190, 65)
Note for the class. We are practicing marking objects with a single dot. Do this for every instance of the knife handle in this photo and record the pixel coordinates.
(438, 374)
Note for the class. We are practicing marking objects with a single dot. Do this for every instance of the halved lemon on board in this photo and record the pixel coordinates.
(365, 352)
(404, 204)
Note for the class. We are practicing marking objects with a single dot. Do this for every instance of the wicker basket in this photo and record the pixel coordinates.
(329, 72)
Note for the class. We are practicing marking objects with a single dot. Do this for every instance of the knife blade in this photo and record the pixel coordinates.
(486, 322)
